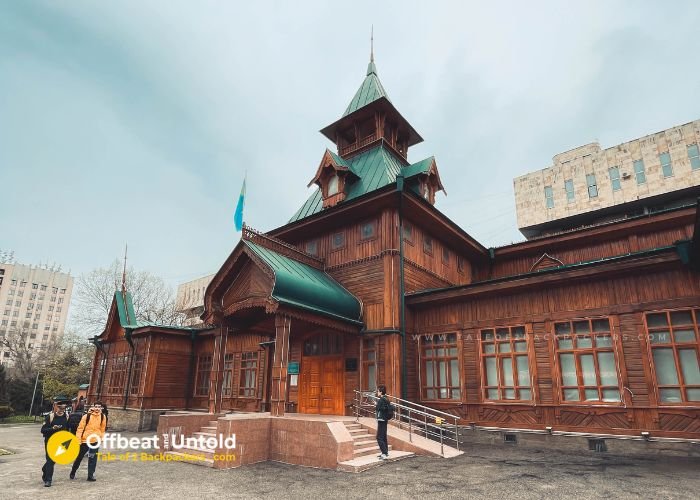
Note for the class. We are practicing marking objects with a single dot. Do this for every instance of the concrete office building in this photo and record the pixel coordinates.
(589, 185)
(190, 299)
(33, 299)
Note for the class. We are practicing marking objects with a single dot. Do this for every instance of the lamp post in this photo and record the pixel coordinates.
(36, 383)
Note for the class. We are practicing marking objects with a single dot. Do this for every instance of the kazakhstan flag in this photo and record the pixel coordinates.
(238, 216)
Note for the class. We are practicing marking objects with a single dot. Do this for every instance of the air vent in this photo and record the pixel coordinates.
(510, 438)
(597, 445)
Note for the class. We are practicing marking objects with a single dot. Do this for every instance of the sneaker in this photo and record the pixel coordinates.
(47, 483)
(90, 478)
(72, 475)
(383, 457)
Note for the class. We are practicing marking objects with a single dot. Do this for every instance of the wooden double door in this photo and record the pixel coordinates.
(321, 387)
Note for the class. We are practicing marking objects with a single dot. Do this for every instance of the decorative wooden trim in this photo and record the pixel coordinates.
(327, 161)
(318, 320)
(250, 303)
(281, 247)
(546, 262)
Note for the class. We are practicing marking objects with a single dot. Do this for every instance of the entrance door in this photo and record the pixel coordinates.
(321, 384)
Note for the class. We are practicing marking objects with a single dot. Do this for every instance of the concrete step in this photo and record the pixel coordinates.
(361, 452)
(205, 435)
(209, 429)
(363, 463)
(213, 423)
(363, 443)
(355, 432)
(197, 452)
(367, 450)
(190, 459)
(353, 425)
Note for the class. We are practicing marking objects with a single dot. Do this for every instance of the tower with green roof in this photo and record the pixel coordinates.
(372, 140)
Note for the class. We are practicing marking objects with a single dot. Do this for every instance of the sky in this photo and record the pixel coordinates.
(136, 121)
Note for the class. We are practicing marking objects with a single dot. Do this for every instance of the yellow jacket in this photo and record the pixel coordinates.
(95, 427)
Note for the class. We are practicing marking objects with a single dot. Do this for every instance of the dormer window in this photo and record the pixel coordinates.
(333, 185)
(332, 175)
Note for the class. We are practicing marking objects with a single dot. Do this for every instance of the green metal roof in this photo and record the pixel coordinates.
(130, 322)
(376, 168)
(302, 286)
(370, 90)
(421, 167)
(125, 309)
(338, 159)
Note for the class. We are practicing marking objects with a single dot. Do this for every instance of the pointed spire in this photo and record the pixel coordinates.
(371, 68)
(126, 309)
(124, 271)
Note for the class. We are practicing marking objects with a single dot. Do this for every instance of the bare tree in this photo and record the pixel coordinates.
(154, 300)
(25, 355)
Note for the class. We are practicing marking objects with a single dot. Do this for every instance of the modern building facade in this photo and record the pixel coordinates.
(593, 330)
(190, 299)
(589, 184)
(34, 300)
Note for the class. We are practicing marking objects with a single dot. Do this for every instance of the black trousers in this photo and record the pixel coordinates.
(47, 469)
(381, 436)
(92, 459)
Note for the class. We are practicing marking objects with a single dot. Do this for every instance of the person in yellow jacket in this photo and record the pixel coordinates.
(92, 426)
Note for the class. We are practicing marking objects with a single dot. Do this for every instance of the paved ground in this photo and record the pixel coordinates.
(484, 472)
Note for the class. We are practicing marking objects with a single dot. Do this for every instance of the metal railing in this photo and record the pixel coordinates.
(415, 418)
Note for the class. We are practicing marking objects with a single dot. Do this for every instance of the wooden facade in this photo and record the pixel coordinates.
(593, 330)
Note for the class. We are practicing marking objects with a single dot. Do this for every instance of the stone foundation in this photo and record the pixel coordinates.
(133, 420)
(581, 443)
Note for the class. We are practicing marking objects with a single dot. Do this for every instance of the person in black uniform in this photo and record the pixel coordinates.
(55, 421)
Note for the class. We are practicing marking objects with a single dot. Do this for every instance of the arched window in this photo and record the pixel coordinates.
(333, 185)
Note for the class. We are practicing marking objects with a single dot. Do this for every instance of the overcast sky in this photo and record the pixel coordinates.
(135, 121)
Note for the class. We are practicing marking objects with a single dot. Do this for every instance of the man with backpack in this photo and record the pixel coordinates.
(385, 412)
(92, 426)
(56, 420)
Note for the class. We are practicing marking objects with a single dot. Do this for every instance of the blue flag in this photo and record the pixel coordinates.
(238, 216)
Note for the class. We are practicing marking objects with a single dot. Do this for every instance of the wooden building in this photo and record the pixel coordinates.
(592, 330)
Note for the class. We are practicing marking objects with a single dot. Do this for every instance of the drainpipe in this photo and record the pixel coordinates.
(127, 336)
(98, 344)
(492, 259)
(402, 291)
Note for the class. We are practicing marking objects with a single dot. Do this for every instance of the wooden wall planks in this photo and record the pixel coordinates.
(624, 299)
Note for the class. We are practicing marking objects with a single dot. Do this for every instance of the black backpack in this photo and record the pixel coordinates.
(389, 411)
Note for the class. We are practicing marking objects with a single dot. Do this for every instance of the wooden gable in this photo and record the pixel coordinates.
(545, 262)
(113, 329)
(250, 286)
(242, 282)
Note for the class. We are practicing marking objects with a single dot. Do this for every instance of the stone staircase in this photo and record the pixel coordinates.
(195, 455)
(366, 451)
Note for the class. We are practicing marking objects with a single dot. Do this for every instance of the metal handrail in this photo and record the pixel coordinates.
(432, 411)
(416, 418)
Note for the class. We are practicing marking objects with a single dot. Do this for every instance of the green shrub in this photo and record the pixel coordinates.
(6, 411)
